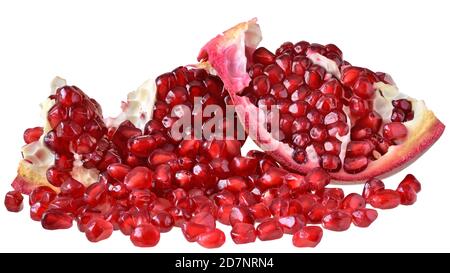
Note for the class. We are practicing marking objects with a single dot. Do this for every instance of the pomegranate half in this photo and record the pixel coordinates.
(346, 119)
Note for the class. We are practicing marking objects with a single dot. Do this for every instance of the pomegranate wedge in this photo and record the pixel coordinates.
(306, 106)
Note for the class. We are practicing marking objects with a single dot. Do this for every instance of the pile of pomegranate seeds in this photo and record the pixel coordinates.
(151, 181)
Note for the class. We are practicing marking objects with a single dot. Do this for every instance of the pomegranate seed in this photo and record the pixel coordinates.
(14, 201)
(212, 239)
(223, 214)
(296, 182)
(160, 156)
(353, 201)
(398, 115)
(317, 179)
(292, 224)
(191, 231)
(358, 107)
(316, 213)
(72, 188)
(56, 177)
(355, 164)
(240, 214)
(372, 186)
(37, 210)
(364, 217)
(263, 56)
(408, 195)
(261, 85)
(234, 184)
(337, 220)
(403, 104)
(269, 229)
(164, 221)
(410, 180)
(308, 236)
(32, 134)
(139, 178)
(94, 193)
(273, 177)
(145, 235)
(141, 198)
(385, 199)
(260, 212)
(141, 145)
(243, 233)
(359, 148)
(395, 131)
(118, 171)
(55, 219)
(98, 229)
(243, 166)
(363, 88)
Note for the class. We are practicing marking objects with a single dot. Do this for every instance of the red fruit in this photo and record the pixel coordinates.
(260, 212)
(273, 177)
(211, 239)
(385, 199)
(32, 134)
(14, 201)
(353, 201)
(408, 195)
(357, 90)
(145, 235)
(364, 217)
(240, 214)
(411, 181)
(243, 166)
(372, 186)
(56, 219)
(37, 210)
(164, 221)
(72, 188)
(243, 233)
(269, 229)
(308, 236)
(118, 171)
(98, 230)
(337, 220)
(317, 179)
(139, 178)
(191, 230)
(292, 224)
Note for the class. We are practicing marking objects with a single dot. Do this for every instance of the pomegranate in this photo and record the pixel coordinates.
(308, 107)
(173, 157)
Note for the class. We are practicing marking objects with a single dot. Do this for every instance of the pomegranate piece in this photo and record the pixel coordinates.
(32, 134)
(211, 239)
(269, 229)
(364, 217)
(138, 178)
(145, 235)
(98, 230)
(308, 236)
(55, 219)
(385, 199)
(339, 220)
(14, 201)
(323, 96)
(243, 233)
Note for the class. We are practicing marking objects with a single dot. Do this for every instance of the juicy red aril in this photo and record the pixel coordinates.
(260, 212)
(234, 184)
(337, 220)
(32, 134)
(37, 210)
(72, 188)
(411, 181)
(55, 219)
(363, 88)
(118, 171)
(98, 230)
(317, 179)
(269, 229)
(292, 224)
(145, 235)
(243, 166)
(273, 177)
(164, 221)
(372, 186)
(408, 195)
(395, 131)
(364, 217)
(141, 145)
(191, 231)
(68, 96)
(355, 164)
(243, 233)
(212, 239)
(139, 178)
(14, 201)
(56, 177)
(385, 199)
(308, 236)
(94, 193)
(353, 201)
(240, 214)
(263, 56)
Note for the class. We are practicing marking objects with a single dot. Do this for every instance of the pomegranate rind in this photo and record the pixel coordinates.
(227, 53)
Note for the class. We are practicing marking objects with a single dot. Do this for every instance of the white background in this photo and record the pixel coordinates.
(108, 48)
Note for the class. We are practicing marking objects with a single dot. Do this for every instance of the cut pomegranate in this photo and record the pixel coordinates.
(330, 114)
(308, 236)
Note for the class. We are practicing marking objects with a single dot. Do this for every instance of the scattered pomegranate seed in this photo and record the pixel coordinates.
(385, 199)
(364, 217)
(14, 201)
(337, 220)
(243, 233)
(55, 219)
(32, 134)
(98, 230)
(212, 239)
(145, 235)
(269, 229)
(308, 236)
